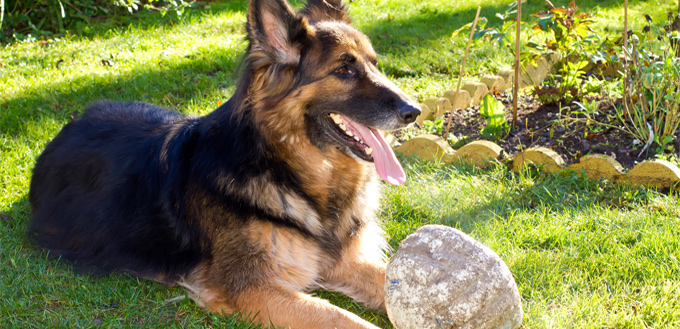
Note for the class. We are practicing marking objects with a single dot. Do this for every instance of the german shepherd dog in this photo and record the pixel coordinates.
(271, 195)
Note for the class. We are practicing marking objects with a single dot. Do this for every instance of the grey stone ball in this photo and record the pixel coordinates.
(442, 278)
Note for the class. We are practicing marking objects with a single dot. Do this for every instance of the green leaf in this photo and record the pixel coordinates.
(494, 111)
(462, 28)
(545, 22)
(490, 107)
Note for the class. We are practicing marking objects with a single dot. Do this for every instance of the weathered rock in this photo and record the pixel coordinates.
(598, 166)
(610, 69)
(442, 278)
(477, 91)
(427, 147)
(425, 114)
(658, 173)
(534, 75)
(508, 76)
(390, 139)
(540, 157)
(479, 152)
(438, 105)
(493, 82)
(460, 100)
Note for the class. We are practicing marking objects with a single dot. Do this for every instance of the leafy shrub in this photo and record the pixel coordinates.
(566, 32)
(650, 109)
(562, 31)
(20, 19)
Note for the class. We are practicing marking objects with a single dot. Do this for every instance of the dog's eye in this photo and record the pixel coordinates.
(342, 71)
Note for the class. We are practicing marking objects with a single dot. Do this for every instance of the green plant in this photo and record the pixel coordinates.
(650, 110)
(497, 36)
(588, 107)
(456, 142)
(567, 34)
(563, 37)
(433, 127)
(493, 110)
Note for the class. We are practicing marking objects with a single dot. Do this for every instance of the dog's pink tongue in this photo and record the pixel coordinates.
(385, 161)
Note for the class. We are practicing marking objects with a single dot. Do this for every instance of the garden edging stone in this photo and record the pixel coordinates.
(655, 173)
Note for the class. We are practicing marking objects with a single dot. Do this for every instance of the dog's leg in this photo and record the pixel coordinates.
(360, 273)
(362, 280)
(290, 309)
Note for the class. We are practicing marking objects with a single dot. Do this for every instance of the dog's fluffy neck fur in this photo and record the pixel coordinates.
(328, 174)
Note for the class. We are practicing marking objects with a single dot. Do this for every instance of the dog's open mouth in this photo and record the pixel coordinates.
(370, 145)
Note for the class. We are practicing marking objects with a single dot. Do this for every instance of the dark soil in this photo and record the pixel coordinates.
(545, 125)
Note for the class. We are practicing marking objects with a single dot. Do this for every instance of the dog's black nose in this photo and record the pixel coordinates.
(408, 112)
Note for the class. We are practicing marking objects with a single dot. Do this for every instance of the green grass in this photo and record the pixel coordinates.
(584, 254)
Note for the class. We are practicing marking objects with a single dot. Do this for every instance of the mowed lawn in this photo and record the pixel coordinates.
(584, 254)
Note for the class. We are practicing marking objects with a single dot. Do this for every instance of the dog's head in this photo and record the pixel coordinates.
(314, 77)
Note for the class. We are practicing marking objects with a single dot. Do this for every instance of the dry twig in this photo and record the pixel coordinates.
(462, 68)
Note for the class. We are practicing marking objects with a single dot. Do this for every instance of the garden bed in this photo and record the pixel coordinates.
(574, 137)
(546, 126)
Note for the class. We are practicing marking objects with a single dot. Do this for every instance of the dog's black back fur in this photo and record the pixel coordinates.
(99, 178)
(109, 183)
(109, 191)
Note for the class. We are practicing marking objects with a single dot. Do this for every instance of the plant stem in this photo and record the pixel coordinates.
(462, 68)
(515, 87)
(625, 45)
(2, 12)
(626, 98)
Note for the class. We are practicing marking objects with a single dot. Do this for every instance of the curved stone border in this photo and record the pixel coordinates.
(656, 173)
(472, 92)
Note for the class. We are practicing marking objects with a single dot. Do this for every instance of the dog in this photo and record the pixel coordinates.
(271, 195)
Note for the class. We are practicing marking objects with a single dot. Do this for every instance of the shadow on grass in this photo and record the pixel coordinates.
(120, 19)
(472, 200)
(389, 35)
(165, 84)
(15, 220)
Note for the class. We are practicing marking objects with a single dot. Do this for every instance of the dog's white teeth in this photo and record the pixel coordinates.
(350, 134)
(357, 138)
(342, 126)
(368, 150)
(336, 118)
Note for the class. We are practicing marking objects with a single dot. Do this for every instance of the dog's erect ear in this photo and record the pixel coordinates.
(274, 27)
(326, 10)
